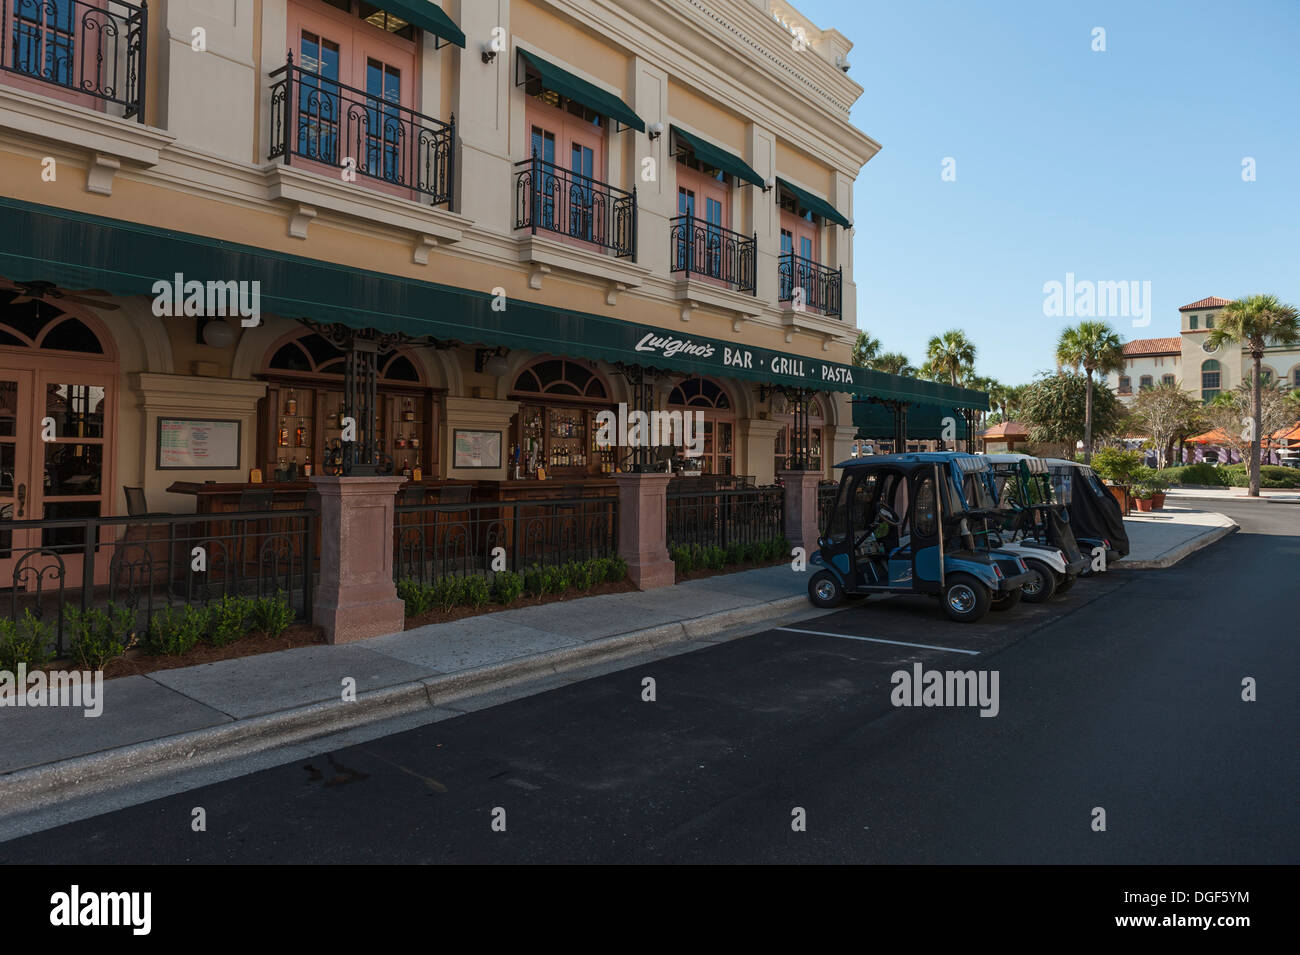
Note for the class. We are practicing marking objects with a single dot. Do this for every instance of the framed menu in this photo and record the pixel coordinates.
(476, 449)
(198, 444)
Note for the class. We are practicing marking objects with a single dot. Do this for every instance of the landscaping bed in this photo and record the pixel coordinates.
(696, 561)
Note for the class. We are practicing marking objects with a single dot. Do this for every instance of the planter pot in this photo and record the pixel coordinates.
(1143, 503)
(1158, 501)
(1120, 493)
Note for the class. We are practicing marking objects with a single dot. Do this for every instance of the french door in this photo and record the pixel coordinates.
(55, 464)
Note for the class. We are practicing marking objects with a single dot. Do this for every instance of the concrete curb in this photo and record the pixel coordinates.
(1191, 547)
(36, 787)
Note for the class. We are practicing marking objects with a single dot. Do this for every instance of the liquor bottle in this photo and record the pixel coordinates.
(409, 413)
(406, 467)
(291, 405)
(284, 433)
(300, 436)
(306, 466)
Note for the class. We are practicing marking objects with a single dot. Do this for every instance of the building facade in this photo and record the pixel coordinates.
(230, 226)
(1200, 371)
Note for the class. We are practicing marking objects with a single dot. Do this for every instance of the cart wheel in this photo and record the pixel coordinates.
(965, 599)
(825, 590)
(1005, 601)
(1041, 584)
(1064, 583)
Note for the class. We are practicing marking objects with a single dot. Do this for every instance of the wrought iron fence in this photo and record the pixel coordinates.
(324, 121)
(826, 495)
(821, 288)
(724, 517)
(94, 49)
(698, 247)
(441, 540)
(148, 562)
(553, 199)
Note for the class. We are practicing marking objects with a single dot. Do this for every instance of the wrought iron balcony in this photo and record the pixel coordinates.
(697, 247)
(323, 121)
(822, 288)
(95, 50)
(553, 199)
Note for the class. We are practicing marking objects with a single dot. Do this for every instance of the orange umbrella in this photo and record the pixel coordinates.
(1287, 434)
(1217, 436)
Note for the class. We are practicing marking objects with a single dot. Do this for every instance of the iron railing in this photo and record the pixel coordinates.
(94, 49)
(724, 517)
(324, 121)
(432, 541)
(821, 288)
(148, 562)
(826, 496)
(698, 247)
(553, 199)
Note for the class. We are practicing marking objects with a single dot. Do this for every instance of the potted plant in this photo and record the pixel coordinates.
(1158, 485)
(1143, 497)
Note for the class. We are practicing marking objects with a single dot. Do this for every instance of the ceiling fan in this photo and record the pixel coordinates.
(48, 291)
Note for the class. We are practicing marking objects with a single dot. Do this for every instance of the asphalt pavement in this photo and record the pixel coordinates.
(1123, 695)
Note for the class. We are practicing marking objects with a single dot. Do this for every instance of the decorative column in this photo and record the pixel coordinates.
(356, 597)
(801, 517)
(643, 528)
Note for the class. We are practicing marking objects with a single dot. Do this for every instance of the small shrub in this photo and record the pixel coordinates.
(174, 631)
(97, 636)
(474, 592)
(1114, 464)
(417, 597)
(228, 619)
(507, 587)
(617, 569)
(271, 615)
(29, 640)
(1204, 474)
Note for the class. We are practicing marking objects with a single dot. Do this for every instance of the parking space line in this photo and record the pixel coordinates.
(897, 643)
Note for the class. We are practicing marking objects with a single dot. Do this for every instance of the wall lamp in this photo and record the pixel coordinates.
(770, 184)
(656, 130)
(489, 54)
(491, 361)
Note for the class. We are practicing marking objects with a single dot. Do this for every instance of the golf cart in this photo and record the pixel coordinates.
(1095, 517)
(901, 524)
(1033, 525)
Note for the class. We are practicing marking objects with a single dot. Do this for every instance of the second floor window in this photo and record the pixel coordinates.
(1125, 385)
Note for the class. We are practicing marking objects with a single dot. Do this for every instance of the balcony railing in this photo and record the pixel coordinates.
(697, 247)
(822, 288)
(553, 199)
(326, 122)
(93, 49)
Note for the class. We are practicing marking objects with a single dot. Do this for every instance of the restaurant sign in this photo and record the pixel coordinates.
(808, 372)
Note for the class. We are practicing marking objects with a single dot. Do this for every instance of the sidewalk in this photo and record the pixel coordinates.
(1233, 494)
(170, 720)
(1159, 539)
(177, 720)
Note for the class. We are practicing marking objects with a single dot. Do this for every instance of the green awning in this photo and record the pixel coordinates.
(75, 250)
(588, 94)
(719, 158)
(816, 204)
(428, 17)
(924, 422)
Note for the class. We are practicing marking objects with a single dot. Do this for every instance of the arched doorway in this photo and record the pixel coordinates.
(58, 408)
(783, 414)
(712, 400)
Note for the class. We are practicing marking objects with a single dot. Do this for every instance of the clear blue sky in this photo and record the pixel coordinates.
(1122, 165)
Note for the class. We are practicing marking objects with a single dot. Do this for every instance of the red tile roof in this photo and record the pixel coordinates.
(1211, 302)
(1154, 346)
(1007, 429)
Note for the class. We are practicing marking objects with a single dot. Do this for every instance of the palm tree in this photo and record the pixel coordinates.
(893, 363)
(865, 349)
(950, 355)
(1012, 397)
(1094, 347)
(1256, 322)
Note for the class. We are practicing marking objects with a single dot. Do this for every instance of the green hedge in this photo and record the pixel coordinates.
(29, 640)
(506, 586)
(1231, 475)
(691, 557)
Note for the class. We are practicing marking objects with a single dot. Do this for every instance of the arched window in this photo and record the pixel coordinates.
(1211, 379)
(713, 404)
(1267, 376)
(313, 354)
(560, 378)
(1294, 382)
(783, 412)
(35, 323)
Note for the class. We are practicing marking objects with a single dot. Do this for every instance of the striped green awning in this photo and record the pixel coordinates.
(924, 422)
(588, 94)
(719, 158)
(75, 250)
(815, 204)
(427, 16)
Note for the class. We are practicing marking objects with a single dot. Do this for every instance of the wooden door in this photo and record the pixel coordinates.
(16, 425)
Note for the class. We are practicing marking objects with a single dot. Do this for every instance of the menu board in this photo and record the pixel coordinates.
(196, 444)
(476, 449)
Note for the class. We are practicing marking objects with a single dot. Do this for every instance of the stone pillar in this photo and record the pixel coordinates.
(757, 438)
(840, 445)
(643, 529)
(356, 597)
(801, 507)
